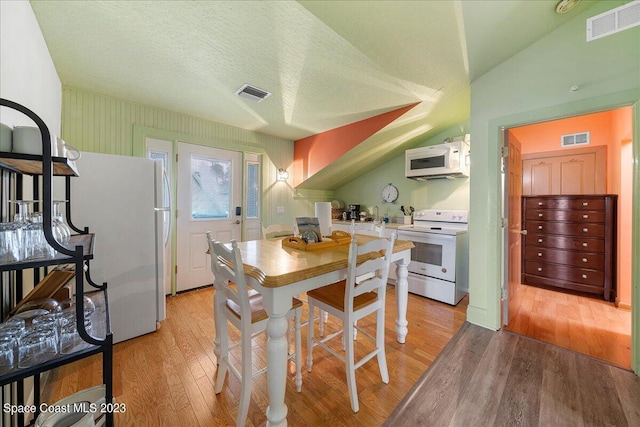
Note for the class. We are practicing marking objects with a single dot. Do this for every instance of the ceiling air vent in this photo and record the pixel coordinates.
(253, 93)
(614, 21)
(574, 139)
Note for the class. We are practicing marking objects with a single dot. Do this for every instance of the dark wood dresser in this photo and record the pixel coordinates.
(570, 243)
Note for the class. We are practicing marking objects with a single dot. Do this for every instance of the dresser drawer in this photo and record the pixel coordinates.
(562, 273)
(569, 216)
(566, 203)
(589, 244)
(570, 258)
(567, 229)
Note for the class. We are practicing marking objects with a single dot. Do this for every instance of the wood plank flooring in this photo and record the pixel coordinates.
(584, 324)
(486, 378)
(166, 378)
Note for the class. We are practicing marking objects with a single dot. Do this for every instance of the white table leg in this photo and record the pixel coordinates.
(277, 346)
(402, 296)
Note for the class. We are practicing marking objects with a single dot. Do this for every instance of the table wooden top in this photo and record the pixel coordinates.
(274, 265)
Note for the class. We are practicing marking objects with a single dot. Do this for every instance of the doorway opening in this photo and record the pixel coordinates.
(582, 322)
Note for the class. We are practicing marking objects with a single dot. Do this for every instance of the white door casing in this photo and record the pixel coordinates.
(163, 149)
(209, 194)
(252, 197)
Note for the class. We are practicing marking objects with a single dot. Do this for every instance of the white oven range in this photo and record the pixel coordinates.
(439, 267)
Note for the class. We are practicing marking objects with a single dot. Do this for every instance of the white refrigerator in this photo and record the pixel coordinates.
(120, 199)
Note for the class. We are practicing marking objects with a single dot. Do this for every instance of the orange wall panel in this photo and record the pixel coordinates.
(546, 136)
(313, 153)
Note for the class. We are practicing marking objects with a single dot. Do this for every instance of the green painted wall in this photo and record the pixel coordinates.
(437, 194)
(534, 86)
(103, 124)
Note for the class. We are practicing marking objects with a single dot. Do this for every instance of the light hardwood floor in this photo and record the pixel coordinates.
(166, 378)
(584, 324)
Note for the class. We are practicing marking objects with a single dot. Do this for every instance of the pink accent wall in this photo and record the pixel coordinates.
(313, 153)
(613, 129)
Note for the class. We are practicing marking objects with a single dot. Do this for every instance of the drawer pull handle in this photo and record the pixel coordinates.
(584, 260)
(584, 244)
(584, 276)
(540, 215)
(586, 230)
(539, 203)
(539, 253)
(539, 227)
(539, 240)
(539, 268)
(585, 216)
(585, 203)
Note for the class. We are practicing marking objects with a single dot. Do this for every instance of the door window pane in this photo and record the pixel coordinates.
(253, 191)
(210, 188)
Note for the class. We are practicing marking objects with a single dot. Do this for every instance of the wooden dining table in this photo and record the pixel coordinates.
(279, 272)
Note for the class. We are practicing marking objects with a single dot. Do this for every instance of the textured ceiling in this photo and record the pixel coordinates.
(327, 63)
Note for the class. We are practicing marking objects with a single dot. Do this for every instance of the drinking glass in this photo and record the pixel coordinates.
(13, 321)
(37, 347)
(35, 241)
(49, 321)
(7, 353)
(12, 330)
(69, 306)
(10, 245)
(61, 231)
(22, 219)
(28, 315)
(22, 211)
(70, 339)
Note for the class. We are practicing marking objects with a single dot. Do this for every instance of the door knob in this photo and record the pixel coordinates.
(237, 221)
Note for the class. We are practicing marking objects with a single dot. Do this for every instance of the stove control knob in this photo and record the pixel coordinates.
(444, 270)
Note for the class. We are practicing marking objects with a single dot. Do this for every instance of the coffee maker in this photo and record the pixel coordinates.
(354, 212)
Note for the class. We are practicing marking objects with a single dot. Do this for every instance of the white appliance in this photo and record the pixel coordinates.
(448, 160)
(117, 197)
(439, 267)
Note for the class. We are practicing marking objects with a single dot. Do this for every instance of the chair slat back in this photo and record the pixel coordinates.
(228, 269)
(277, 230)
(373, 270)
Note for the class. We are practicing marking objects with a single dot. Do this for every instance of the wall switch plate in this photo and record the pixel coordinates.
(280, 209)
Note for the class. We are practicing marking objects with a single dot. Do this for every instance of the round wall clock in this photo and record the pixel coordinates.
(389, 193)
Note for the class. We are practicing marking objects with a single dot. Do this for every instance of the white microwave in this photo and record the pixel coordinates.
(448, 160)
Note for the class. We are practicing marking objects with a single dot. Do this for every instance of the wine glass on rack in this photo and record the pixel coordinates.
(61, 231)
(21, 221)
(35, 239)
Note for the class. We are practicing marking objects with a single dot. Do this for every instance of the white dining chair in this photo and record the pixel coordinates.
(277, 230)
(361, 294)
(380, 230)
(243, 309)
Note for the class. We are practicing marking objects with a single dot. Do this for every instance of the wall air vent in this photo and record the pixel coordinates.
(574, 139)
(614, 21)
(253, 93)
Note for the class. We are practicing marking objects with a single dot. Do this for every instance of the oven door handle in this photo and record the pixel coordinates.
(425, 237)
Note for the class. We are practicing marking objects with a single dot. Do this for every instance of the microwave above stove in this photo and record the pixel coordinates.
(448, 160)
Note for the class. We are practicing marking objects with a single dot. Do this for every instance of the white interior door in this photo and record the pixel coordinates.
(209, 199)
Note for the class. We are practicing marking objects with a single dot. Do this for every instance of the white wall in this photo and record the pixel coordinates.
(27, 73)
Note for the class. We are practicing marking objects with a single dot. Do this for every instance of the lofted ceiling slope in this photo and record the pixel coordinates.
(327, 63)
